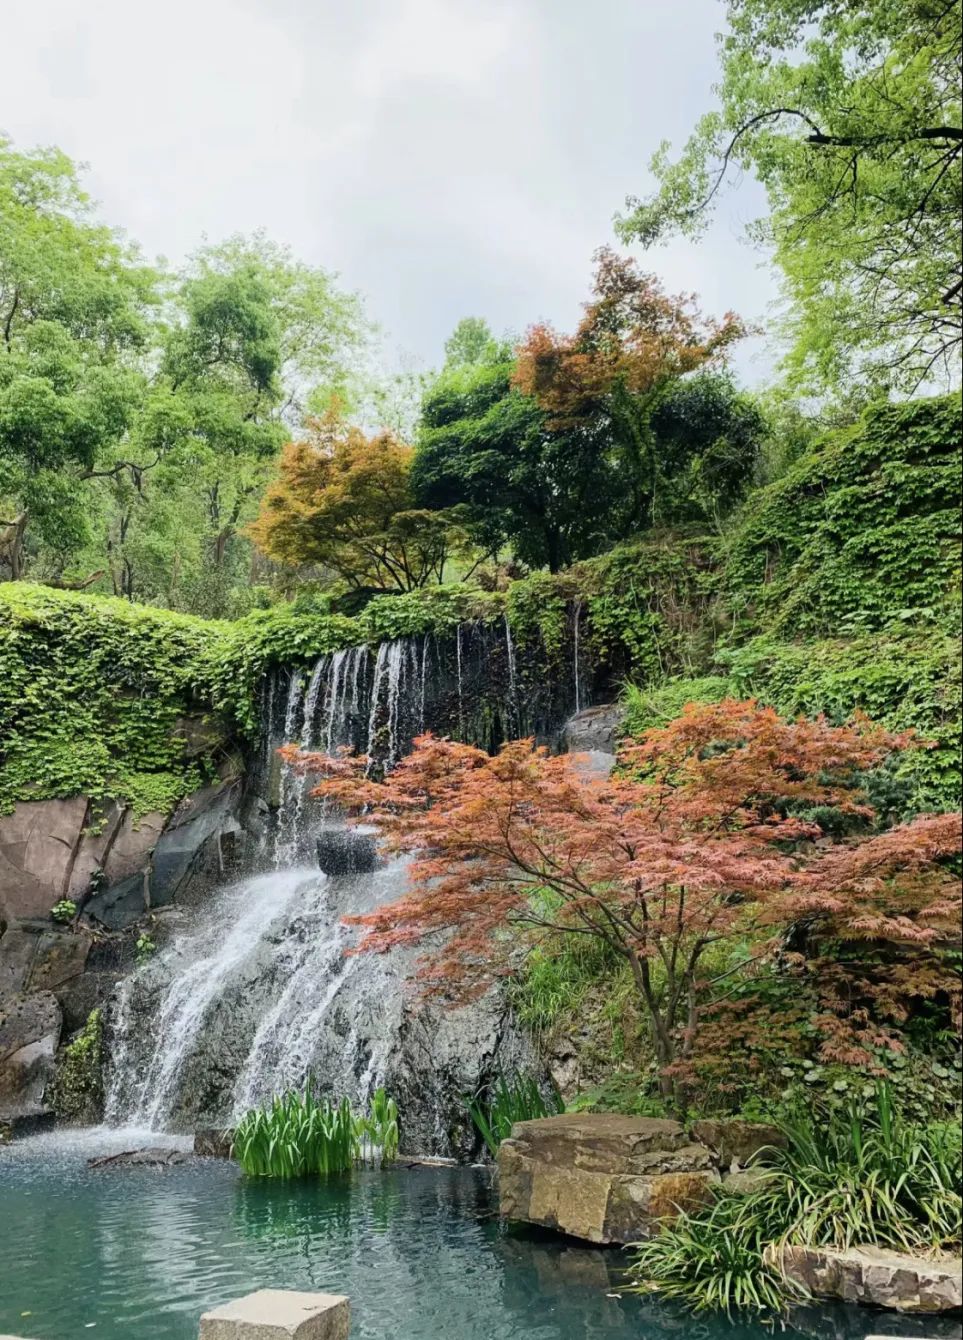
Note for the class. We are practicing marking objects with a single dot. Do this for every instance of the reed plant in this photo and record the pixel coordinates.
(301, 1135)
(514, 1098)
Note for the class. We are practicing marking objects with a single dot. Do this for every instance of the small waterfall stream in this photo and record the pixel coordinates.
(256, 992)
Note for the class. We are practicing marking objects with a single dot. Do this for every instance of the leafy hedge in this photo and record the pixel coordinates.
(92, 693)
(863, 530)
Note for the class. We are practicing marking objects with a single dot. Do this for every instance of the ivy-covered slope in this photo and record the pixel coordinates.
(836, 590)
(95, 696)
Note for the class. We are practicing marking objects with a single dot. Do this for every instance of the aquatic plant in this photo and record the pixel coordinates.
(300, 1135)
(514, 1098)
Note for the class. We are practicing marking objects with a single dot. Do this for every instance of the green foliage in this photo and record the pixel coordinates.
(849, 116)
(714, 1261)
(861, 532)
(650, 606)
(91, 693)
(63, 911)
(145, 948)
(514, 1098)
(381, 1125)
(648, 706)
(862, 1174)
(299, 1135)
(78, 1092)
(902, 678)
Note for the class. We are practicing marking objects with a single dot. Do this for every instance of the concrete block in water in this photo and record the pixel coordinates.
(279, 1314)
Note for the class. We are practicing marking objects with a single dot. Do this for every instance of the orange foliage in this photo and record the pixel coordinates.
(697, 841)
(343, 500)
(633, 336)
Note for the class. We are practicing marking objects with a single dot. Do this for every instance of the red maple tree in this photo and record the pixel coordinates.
(633, 342)
(703, 837)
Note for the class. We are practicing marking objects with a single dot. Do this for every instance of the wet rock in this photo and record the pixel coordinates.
(735, 1141)
(347, 851)
(602, 1177)
(140, 1158)
(212, 1143)
(30, 1029)
(59, 956)
(18, 1125)
(875, 1276)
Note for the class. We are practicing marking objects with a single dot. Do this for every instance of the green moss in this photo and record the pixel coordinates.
(91, 693)
(78, 1092)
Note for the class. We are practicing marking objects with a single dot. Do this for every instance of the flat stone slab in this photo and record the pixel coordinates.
(873, 1275)
(278, 1314)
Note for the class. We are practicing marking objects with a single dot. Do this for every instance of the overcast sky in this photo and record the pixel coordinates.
(446, 157)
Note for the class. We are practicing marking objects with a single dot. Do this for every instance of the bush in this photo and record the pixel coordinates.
(857, 1176)
(515, 1098)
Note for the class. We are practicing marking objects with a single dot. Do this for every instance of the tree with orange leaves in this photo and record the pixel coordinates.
(702, 839)
(632, 344)
(343, 501)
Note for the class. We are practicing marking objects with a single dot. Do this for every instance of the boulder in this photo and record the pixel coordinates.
(596, 730)
(876, 1276)
(38, 846)
(735, 1141)
(30, 1028)
(212, 1143)
(602, 1177)
(347, 851)
(279, 1314)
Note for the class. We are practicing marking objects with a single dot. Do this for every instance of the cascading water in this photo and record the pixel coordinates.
(257, 992)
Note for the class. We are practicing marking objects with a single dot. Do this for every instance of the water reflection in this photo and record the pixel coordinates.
(141, 1253)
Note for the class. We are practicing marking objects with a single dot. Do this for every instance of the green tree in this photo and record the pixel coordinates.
(75, 308)
(485, 445)
(849, 113)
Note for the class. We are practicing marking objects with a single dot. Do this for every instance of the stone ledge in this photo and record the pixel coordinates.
(875, 1276)
(279, 1314)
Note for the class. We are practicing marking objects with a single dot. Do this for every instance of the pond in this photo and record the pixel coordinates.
(140, 1253)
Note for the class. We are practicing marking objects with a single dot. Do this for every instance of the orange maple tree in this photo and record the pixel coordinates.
(343, 500)
(632, 343)
(703, 836)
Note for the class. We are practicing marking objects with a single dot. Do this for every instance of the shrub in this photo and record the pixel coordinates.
(856, 1176)
(78, 1085)
(64, 911)
(515, 1098)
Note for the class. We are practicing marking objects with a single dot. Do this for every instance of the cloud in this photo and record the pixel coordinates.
(445, 157)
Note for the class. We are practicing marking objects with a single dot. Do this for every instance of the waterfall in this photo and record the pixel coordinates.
(512, 680)
(255, 991)
(575, 650)
(194, 974)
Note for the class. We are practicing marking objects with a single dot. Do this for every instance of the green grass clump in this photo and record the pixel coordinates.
(299, 1135)
(857, 1177)
(515, 1098)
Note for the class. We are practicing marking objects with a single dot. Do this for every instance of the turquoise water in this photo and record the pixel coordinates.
(138, 1254)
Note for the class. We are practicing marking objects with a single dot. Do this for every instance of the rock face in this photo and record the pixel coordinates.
(115, 869)
(602, 1177)
(29, 1034)
(877, 1277)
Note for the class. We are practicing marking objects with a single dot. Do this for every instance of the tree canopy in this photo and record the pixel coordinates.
(850, 116)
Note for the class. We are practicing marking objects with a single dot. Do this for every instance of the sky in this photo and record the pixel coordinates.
(446, 158)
